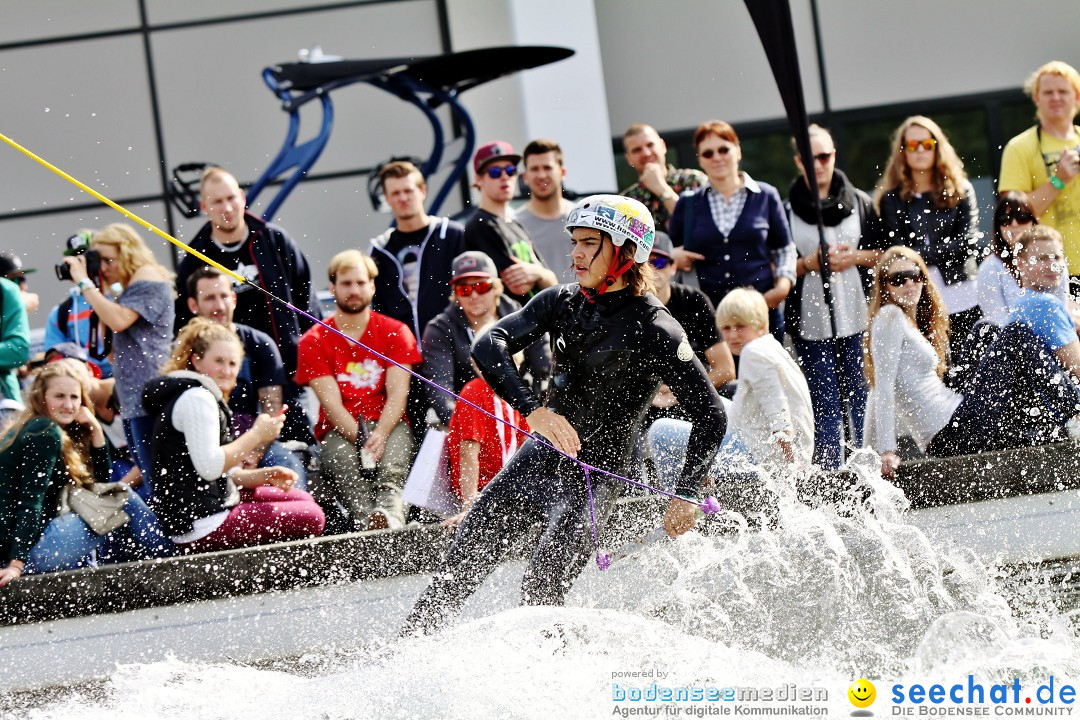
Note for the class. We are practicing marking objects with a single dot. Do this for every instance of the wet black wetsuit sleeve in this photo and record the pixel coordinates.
(683, 372)
(494, 350)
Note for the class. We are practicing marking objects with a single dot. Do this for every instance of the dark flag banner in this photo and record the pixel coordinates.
(772, 18)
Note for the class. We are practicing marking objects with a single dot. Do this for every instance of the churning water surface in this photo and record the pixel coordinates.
(826, 597)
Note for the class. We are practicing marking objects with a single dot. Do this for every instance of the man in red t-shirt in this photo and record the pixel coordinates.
(480, 445)
(362, 395)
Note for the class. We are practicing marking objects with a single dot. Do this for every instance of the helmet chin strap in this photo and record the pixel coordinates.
(613, 274)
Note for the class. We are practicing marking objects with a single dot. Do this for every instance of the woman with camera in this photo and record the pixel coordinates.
(140, 320)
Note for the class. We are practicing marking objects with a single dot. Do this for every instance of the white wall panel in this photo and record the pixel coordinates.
(216, 108)
(166, 11)
(884, 52)
(83, 106)
(676, 64)
(42, 19)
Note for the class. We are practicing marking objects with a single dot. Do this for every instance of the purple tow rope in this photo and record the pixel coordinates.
(710, 506)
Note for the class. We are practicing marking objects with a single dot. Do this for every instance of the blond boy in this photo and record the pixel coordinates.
(771, 413)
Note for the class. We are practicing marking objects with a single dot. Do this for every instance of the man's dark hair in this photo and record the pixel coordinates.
(206, 272)
(541, 146)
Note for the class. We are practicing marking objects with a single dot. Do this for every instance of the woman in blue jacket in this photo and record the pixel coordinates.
(733, 230)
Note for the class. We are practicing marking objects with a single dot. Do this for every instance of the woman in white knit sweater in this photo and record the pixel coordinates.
(906, 359)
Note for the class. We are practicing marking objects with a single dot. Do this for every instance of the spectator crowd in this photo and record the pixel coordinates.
(167, 414)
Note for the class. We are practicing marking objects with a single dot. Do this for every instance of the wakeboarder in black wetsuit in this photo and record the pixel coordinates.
(613, 344)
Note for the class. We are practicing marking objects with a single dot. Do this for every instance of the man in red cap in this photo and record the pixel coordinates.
(492, 231)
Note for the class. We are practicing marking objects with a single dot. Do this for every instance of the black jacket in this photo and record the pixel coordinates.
(445, 241)
(946, 238)
(282, 270)
(610, 358)
(446, 348)
(181, 495)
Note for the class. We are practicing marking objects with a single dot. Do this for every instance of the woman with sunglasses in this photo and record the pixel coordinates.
(926, 203)
(998, 279)
(855, 241)
(733, 230)
(905, 362)
(614, 344)
(476, 300)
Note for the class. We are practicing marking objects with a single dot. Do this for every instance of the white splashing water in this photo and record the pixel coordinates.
(825, 598)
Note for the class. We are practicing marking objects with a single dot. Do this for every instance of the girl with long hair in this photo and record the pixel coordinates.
(204, 497)
(925, 202)
(614, 344)
(906, 360)
(57, 442)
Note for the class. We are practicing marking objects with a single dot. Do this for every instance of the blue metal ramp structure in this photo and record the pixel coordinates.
(428, 83)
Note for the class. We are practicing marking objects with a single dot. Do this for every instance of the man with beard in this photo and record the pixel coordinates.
(366, 448)
(263, 254)
(544, 216)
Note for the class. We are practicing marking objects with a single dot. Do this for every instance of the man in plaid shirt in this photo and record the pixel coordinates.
(659, 184)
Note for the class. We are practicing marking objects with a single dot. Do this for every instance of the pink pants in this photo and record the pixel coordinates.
(266, 514)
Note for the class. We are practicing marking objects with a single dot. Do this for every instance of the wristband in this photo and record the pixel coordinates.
(85, 284)
(1057, 182)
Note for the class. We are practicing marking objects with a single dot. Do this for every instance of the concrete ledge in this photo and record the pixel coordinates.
(247, 571)
(417, 550)
(1008, 473)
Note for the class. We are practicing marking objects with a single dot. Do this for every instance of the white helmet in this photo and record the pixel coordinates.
(620, 217)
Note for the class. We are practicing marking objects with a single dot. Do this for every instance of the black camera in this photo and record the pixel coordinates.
(79, 244)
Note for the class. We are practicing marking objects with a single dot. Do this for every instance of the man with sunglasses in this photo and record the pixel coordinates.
(447, 340)
(1043, 161)
(493, 232)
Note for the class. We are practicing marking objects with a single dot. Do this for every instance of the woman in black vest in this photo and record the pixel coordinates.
(204, 494)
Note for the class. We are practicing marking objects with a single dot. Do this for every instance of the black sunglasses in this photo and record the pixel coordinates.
(1021, 217)
(900, 278)
(707, 154)
(496, 172)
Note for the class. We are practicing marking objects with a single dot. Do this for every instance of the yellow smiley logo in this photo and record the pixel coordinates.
(862, 693)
